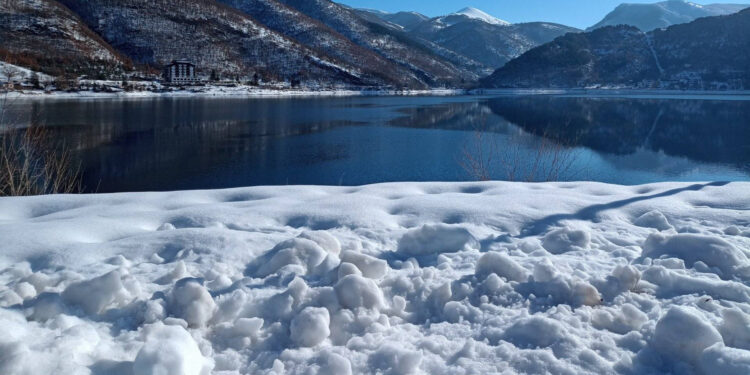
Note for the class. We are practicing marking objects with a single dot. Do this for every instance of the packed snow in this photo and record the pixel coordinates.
(406, 278)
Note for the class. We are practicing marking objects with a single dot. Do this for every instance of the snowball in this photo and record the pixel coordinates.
(325, 240)
(25, 290)
(356, 291)
(94, 295)
(501, 265)
(170, 350)
(719, 359)
(693, 248)
(191, 301)
(334, 364)
(623, 279)
(566, 239)
(346, 269)
(395, 359)
(681, 334)
(371, 267)
(302, 255)
(310, 327)
(435, 239)
(653, 219)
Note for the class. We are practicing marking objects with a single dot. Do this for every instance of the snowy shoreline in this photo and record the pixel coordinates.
(398, 278)
(229, 92)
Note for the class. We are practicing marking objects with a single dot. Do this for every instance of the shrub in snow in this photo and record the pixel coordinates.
(435, 239)
(501, 265)
(693, 248)
(310, 327)
(393, 359)
(682, 335)
(355, 291)
(566, 239)
(718, 359)
(170, 350)
(94, 295)
(309, 254)
(653, 219)
(191, 301)
(371, 267)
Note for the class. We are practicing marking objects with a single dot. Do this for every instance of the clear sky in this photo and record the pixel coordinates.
(577, 13)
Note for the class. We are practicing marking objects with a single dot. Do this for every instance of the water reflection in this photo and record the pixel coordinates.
(168, 144)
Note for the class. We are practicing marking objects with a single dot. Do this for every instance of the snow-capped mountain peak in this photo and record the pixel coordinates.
(480, 15)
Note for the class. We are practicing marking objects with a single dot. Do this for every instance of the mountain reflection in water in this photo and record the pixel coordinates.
(187, 143)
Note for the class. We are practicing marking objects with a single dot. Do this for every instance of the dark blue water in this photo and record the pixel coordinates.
(189, 143)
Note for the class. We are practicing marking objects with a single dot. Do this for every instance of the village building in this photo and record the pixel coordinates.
(180, 72)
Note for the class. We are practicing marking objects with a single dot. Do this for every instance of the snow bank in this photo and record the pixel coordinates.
(170, 350)
(692, 248)
(243, 281)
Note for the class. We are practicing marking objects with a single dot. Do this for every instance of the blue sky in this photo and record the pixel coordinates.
(578, 13)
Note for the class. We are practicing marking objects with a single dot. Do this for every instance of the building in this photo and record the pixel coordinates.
(180, 72)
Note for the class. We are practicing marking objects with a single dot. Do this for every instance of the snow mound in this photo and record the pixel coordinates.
(719, 359)
(355, 291)
(311, 253)
(653, 219)
(94, 295)
(683, 335)
(310, 327)
(501, 265)
(435, 239)
(693, 248)
(170, 350)
(565, 240)
(192, 302)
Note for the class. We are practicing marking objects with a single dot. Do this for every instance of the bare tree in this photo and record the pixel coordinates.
(30, 162)
(522, 158)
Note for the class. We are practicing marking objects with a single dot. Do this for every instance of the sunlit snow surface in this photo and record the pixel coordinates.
(430, 278)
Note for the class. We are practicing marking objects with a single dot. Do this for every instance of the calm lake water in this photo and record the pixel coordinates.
(195, 143)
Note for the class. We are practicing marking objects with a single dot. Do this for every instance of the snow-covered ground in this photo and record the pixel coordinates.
(409, 278)
(239, 91)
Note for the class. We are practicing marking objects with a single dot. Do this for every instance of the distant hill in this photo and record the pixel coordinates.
(46, 36)
(709, 53)
(648, 17)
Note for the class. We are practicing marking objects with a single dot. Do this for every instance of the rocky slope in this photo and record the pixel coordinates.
(46, 36)
(648, 17)
(214, 36)
(428, 62)
(709, 53)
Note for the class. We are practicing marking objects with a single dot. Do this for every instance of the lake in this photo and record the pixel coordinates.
(148, 144)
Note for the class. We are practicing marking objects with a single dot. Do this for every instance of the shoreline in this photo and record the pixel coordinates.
(233, 92)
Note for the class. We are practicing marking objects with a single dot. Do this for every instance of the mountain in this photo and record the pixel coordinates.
(648, 17)
(477, 14)
(404, 20)
(430, 63)
(375, 69)
(214, 36)
(485, 39)
(46, 36)
(708, 53)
